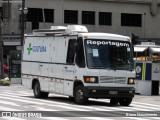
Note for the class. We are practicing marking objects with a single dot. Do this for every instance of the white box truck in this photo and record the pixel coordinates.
(71, 61)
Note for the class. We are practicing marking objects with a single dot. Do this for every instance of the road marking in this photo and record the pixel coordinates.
(63, 105)
(138, 106)
(123, 108)
(3, 108)
(55, 118)
(137, 118)
(145, 104)
(39, 102)
(147, 107)
(96, 118)
(20, 100)
(85, 108)
(13, 118)
(9, 103)
(43, 109)
(81, 108)
(155, 118)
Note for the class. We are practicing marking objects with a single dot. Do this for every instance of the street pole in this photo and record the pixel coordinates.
(1, 47)
(62, 7)
(22, 22)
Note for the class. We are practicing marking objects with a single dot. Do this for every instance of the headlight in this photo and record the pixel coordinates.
(131, 81)
(90, 79)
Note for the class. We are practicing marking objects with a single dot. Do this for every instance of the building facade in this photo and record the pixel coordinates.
(140, 17)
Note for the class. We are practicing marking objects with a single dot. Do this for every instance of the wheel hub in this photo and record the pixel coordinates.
(80, 95)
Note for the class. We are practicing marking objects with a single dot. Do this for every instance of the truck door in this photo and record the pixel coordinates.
(69, 67)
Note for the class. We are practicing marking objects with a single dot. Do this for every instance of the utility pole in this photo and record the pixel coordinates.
(22, 22)
(62, 8)
(1, 46)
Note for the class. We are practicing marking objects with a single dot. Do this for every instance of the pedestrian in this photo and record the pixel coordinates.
(5, 69)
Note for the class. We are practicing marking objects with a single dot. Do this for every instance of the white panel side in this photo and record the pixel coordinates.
(61, 49)
(27, 48)
(44, 83)
(68, 88)
(26, 67)
(52, 57)
(36, 54)
(47, 44)
(35, 68)
(27, 81)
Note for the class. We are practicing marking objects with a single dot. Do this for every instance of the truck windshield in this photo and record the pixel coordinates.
(108, 54)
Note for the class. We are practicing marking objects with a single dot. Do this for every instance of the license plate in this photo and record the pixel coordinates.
(113, 92)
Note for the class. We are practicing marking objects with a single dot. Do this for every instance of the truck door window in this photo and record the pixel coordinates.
(71, 51)
(80, 61)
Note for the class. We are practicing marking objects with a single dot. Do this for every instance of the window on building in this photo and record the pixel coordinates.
(131, 19)
(105, 18)
(71, 16)
(6, 6)
(1, 12)
(35, 15)
(49, 15)
(71, 51)
(88, 17)
(35, 25)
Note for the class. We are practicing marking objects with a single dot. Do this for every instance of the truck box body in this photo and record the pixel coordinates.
(60, 60)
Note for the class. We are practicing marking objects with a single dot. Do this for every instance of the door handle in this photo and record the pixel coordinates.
(40, 65)
(65, 67)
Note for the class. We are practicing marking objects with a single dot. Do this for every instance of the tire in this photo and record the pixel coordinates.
(125, 101)
(79, 97)
(37, 91)
(114, 101)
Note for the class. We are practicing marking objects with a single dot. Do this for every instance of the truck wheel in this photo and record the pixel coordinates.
(79, 97)
(125, 101)
(114, 101)
(37, 91)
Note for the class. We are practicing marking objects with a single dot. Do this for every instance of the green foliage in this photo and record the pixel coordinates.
(1, 82)
(6, 82)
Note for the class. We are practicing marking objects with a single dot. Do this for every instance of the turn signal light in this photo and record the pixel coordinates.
(90, 79)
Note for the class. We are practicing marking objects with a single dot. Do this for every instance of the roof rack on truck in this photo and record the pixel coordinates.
(70, 29)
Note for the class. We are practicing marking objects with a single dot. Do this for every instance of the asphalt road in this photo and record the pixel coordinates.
(17, 100)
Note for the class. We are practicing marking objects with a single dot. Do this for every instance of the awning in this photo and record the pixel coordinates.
(11, 43)
(155, 50)
(139, 49)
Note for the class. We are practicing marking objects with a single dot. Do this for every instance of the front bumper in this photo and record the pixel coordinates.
(109, 92)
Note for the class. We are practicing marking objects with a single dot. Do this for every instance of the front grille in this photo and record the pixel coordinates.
(120, 80)
(108, 79)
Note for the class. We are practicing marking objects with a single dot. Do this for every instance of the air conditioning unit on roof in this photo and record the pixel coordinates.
(76, 29)
(58, 28)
